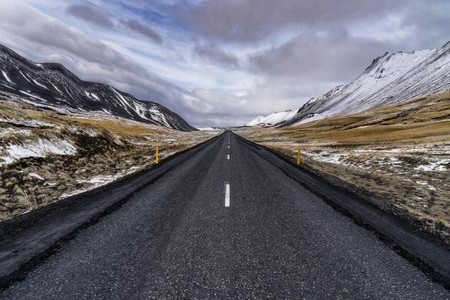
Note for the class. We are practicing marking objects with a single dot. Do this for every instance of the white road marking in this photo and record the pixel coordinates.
(228, 146)
(227, 194)
(228, 156)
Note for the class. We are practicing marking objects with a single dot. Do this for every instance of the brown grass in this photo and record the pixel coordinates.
(363, 144)
(107, 147)
(421, 120)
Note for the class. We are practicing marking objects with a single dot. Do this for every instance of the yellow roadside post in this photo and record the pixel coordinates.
(156, 155)
(299, 157)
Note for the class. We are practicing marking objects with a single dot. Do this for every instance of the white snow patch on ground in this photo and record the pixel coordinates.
(98, 181)
(35, 175)
(4, 132)
(78, 130)
(6, 77)
(434, 166)
(325, 156)
(41, 148)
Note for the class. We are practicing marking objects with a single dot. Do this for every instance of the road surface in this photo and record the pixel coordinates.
(224, 223)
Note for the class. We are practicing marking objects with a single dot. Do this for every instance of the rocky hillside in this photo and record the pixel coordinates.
(46, 156)
(52, 86)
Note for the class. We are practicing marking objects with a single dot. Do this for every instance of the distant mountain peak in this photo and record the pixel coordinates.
(390, 78)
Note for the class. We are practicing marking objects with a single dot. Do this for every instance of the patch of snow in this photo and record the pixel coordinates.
(10, 131)
(435, 166)
(95, 96)
(40, 84)
(272, 119)
(91, 95)
(7, 78)
(315, 117)
(78, 130)
(158, 115)
(41, 148)
(98, 181)
(56, 88)
(24, 76)
(7, 86)
(35, 175)
(5, 131)
(325, 156)
(33, 96)
(122, 100)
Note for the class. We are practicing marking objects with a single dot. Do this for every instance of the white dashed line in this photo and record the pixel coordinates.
(227, 194)
(228, 146)
(228, 156)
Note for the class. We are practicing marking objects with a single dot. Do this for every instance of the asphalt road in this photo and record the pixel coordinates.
(189, 235)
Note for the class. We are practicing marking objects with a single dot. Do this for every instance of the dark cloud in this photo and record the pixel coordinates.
(214, 54)
(300, 48)
(335, 57)
(142, 29)
(251, 20)
(89, 14)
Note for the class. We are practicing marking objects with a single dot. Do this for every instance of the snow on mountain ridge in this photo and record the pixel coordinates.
(390, 78)
(52, 86)
(272, 119)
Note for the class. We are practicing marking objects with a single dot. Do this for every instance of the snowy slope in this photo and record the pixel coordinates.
(272, 119)
(390, 78)
(52, 86)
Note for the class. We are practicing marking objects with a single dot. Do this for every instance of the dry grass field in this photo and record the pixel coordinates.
(46, 156)
(397, 156)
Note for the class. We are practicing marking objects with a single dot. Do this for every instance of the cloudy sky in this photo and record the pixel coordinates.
(221, 62)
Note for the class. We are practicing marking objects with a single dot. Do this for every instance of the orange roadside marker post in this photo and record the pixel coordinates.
(299, 157)
(156, 155)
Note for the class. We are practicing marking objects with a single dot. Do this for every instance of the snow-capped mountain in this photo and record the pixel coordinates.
(52, 86)
(390, 78)
(273, 119)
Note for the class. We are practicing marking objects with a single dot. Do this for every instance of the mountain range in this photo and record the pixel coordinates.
(52, 86)
(390, 78)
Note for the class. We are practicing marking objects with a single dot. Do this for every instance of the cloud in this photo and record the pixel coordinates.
(215, 55)
(252, 20)
(38, 28)
(221, 62)
(89, 14)
(29, 30)
(333, 56)
(142, 29)
(428, 23)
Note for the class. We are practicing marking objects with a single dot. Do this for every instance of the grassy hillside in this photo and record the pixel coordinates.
(46, 156)
(397, 156)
